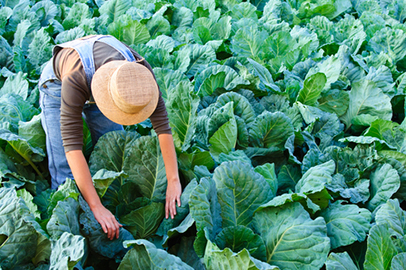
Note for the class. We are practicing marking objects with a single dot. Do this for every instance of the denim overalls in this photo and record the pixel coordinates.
(50, 102)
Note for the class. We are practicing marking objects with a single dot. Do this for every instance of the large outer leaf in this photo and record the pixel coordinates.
(144, 221)
(144, 255)
(367, 98)
(340, 261)
(205, 208)
(110, 149)
(182, 108)
(240, 191)
(380, 249)
(65, 218)
(385, 182)
(390, 213)
(228, 260)
(293, 240)
(18, 237)
(270, 130)
(346, 223)
(67, 251)
(140, 159)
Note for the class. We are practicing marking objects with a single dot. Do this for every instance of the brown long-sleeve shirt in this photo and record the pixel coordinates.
(75, 92)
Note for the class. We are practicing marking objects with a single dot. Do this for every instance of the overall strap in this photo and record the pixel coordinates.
(84, 47)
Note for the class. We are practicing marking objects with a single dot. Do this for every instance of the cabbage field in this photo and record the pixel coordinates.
(288, 121)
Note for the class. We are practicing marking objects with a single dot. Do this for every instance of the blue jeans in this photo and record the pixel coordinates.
(50, 103)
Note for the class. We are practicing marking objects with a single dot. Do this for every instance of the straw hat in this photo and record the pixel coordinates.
(125, 92)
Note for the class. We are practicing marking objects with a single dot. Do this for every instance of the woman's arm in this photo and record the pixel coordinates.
(81, 173)
(174, 189)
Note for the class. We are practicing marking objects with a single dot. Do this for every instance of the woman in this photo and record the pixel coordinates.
(110, 85)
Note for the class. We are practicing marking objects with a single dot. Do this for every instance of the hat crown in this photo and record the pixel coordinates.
(125, 88)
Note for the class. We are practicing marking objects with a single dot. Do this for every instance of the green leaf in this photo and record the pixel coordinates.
(268, 172)
(380, 249)
(158, 25)
(399, 261)
(390, 41)
(13, 108)
(145, 220)
(390, 213)
(222, 130)
(331, 67)
(168, 79)
(33, 132)
(144, 255)
(367, 98)
(334, 101)
(65, 191)
(340, 261)
(385, 182)
(143, 162)
(182, 110)
(205, 208)
(346, 223)
(67, 251)
(266, 81)
(379, 127)
(182, 17)
(227, 259)
(240, 191)
(113, 10)
(183, 227)
(65, 218)
(198, 58)
(18, 236)
(288, 177)
(77, 14)
(102, 179)
(312, 89)
(217, 76)
(241, 106)
(129, 31)
(315, 179)
(29, 201)
(292, 238)
(224, 139)
(16, 84)
(240, 237)
(270, 130)
(248, 42)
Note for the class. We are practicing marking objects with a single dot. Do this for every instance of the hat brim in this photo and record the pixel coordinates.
(104, 101)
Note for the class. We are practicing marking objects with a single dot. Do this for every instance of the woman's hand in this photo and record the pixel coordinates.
(81, 173)
(107, 220)
(173, 192)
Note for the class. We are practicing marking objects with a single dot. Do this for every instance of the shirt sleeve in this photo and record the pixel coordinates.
(74, 94)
